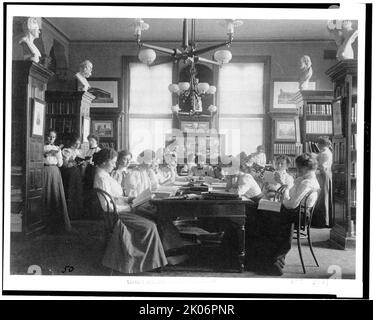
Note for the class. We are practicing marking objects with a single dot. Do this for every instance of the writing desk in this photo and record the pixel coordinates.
(233, 210)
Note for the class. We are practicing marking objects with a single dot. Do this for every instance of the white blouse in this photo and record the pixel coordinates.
(325, 159)
(69, 155)
(105, 182)
(302, 185)
(138, 180)
(52, 155)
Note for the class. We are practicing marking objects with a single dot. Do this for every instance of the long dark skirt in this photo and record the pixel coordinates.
(134, 246)
(168, 233)
(72, 182)
(91, 210)
(268, 237)
(322, 216)
(55, 208)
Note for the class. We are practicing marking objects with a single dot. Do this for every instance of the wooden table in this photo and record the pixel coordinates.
(230, 209)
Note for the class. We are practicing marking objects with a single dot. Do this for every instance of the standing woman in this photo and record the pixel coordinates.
(323, 211)
(88, 173)
(56, 214)
(71, 177)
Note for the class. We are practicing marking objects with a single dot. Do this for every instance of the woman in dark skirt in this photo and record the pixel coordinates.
(55, 209)
(323, 211)
(71, 177)
(88, 172)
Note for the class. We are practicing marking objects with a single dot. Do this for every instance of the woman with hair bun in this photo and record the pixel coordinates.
(323, 210)
(135, 245)
(55, 209)
(270, 234)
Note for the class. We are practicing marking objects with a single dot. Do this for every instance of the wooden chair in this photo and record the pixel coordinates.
(109, 212)
(303, 224)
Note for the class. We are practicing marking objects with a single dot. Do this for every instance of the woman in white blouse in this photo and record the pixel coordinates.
(138, 180)
(121, 170)
(135, 245)
(72, 178)
(323, 209)
(269, 234)
(55, 208)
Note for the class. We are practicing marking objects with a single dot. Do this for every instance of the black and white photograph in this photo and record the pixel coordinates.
(184, 150)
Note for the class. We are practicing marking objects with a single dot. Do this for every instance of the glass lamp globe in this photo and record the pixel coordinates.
(147, 56)
(223, 56)
(203, 87)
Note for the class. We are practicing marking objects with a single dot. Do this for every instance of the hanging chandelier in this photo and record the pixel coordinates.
(189, 93)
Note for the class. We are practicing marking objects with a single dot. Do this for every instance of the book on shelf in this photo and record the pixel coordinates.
(311, 147)
(287, 148)
(353, 141)
(354, 112)
(319, 109)
(353, 169)
(319, 127)
(353, 197)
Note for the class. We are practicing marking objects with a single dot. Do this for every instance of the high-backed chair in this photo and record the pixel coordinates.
(303, 223)
(109, 210)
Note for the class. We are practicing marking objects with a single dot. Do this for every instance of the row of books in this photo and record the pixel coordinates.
(287, 148)
(62, 125)
(311, 147)
(339, 153)
(319, 127)
(319, 109)
(354, 112)
(353, 141)
(61, 107)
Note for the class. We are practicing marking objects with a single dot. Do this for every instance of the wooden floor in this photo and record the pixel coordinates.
(83, 251)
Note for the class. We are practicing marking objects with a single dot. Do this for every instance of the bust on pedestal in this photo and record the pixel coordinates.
(32, 31)
(84, 73)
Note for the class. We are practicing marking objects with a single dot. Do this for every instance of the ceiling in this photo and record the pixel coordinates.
(116, 29)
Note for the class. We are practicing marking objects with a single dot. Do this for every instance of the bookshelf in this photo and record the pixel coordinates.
(29, 82)
(344, 109)
(315, 110)
(68, 112)
(286, 136)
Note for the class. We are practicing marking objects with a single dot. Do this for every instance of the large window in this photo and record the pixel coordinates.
(149, 106)
(241, 105)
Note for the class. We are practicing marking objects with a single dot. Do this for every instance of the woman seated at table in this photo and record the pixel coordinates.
(279, 178)
(121, 170)
(269, 234)
(201, 169)
(138, 180)
(135, 245)
(244, 184)
(167, 169)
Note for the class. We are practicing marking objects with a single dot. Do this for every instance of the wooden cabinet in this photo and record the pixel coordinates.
(344, 109)
(68, 112)
(315, 110)
(29, 83)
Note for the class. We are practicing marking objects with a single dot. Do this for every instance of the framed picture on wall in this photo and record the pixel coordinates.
(103, 128)
(285, 130)
(106, 91)
(284, 92)
(38, 115)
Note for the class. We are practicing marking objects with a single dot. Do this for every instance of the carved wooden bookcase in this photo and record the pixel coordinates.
(29, 83)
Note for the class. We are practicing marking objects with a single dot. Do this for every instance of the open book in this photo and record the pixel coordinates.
(142, 198)
(268, 205)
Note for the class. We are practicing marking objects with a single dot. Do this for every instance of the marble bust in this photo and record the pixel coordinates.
(344, 38)
(32, 32)
(305, 72)
(84, 73)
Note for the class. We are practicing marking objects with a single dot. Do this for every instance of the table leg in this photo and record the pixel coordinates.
(241, 246)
